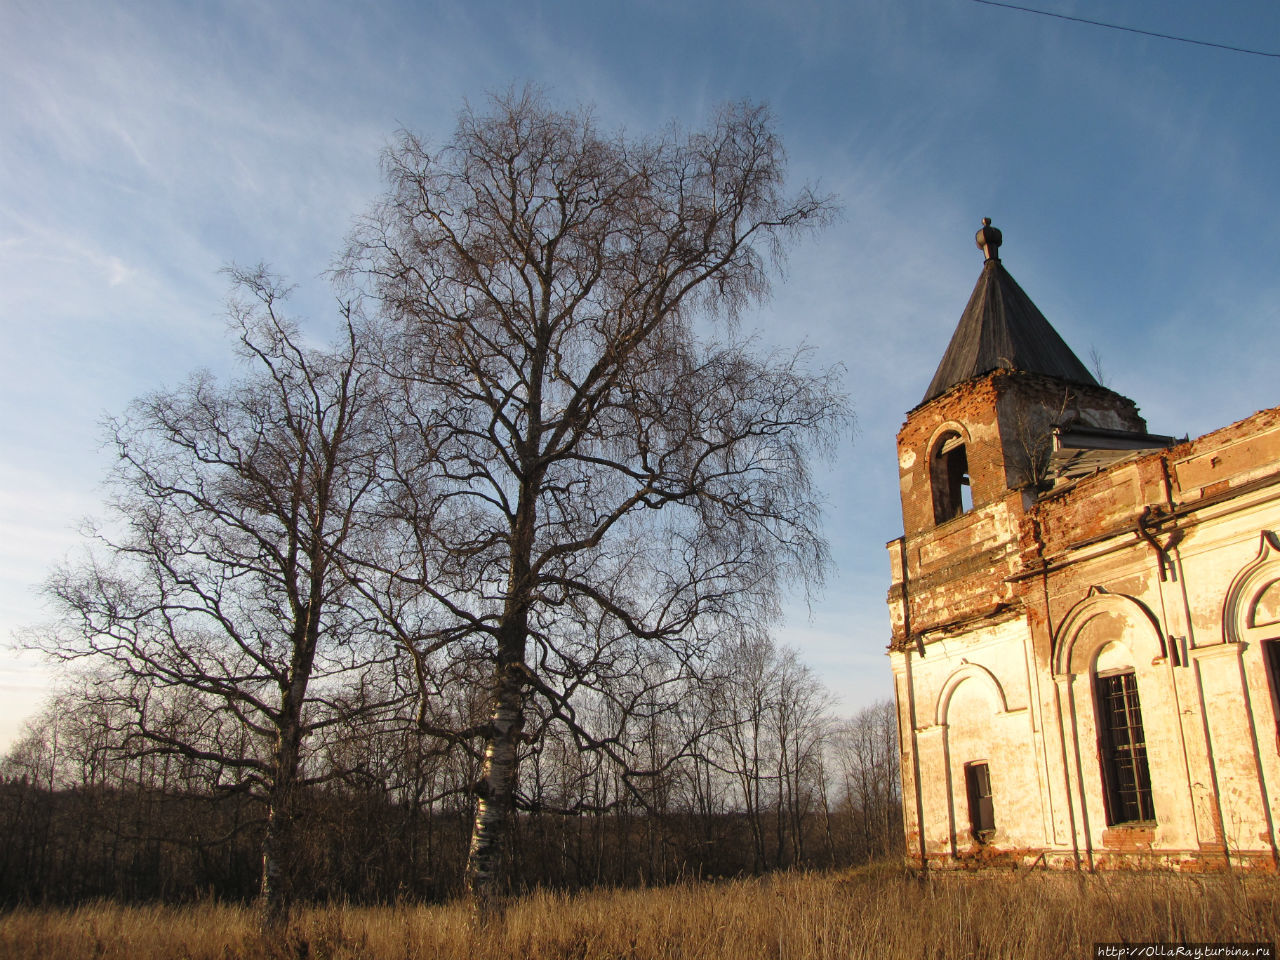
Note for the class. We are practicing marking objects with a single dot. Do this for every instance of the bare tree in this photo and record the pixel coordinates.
(609, 482)
(219, 572)
(1031, 446)
(865, 750)
(744, 704)
(799, 725)
(1096, 367)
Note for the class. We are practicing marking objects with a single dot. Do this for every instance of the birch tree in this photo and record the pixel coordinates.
(614, 476)
(218, 571)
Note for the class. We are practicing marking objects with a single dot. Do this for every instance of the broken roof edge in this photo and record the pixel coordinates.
(1080, 449)
(1181, 450)
(997, 372)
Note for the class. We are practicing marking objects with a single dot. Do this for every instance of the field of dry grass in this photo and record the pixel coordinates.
(874, 912)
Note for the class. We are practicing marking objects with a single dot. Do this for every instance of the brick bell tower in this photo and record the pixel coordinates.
(1085, 617)
(979, 449)
(974, 457)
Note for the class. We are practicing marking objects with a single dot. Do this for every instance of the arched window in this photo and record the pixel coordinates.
(1271, 657)
(1126, 777)
(949, 471)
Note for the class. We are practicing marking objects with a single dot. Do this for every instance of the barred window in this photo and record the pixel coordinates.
(1124, 750)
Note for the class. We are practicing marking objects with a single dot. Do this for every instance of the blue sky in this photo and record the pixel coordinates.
(145, 145)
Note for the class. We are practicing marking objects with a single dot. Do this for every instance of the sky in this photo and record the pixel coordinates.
(144, 146)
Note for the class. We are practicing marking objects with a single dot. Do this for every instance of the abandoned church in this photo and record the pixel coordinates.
(1086, 616)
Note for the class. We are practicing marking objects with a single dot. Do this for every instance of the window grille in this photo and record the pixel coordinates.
(1124, 750)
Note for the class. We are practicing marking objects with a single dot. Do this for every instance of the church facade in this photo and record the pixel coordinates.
(1085, 616)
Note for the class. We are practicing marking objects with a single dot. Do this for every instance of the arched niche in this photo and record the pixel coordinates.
(1099, 619)
(1253, 599)
(983, 678)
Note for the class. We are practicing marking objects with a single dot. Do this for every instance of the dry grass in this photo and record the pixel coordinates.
(877, 912)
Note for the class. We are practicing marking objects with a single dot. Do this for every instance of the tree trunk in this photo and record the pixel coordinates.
(279, 845)
(496, 790)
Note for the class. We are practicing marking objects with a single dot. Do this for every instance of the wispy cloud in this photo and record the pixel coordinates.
(145, 147)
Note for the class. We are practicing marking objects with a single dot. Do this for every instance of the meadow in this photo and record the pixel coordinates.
(876, 912)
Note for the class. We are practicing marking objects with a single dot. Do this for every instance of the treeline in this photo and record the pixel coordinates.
(747, 775)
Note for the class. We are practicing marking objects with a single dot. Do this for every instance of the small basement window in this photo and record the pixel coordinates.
(982, 816)
(949, 470)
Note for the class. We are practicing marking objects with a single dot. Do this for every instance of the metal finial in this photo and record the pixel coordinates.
(989, 240)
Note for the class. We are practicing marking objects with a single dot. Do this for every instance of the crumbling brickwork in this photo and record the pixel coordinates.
(1007, 619)
(952, 571)
(1085, 618)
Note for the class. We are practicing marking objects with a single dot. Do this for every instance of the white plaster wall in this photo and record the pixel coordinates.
(977, 732)
(1228, 565)
(1234, 752)
(972, 704)
(1265, 712)
(1209, 712)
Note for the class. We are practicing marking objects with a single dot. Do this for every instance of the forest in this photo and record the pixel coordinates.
(777, 782)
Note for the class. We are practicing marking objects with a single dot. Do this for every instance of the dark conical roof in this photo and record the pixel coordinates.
(1001, 329)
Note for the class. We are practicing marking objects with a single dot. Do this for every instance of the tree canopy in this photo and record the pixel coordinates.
(605, 481)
